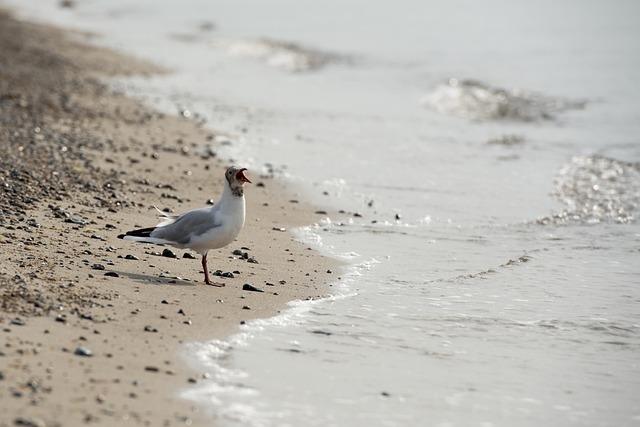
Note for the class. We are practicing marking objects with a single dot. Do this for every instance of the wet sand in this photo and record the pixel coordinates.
(93, 326)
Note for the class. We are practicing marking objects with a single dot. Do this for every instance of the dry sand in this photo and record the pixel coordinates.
(79, 165)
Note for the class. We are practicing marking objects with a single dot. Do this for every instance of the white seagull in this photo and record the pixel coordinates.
(205, 228)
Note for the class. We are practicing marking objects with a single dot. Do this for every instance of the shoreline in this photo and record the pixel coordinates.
(94, 328)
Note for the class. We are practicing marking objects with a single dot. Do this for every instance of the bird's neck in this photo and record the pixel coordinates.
(232, 193)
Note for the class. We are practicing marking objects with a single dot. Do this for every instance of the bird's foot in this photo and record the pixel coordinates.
(217, 284)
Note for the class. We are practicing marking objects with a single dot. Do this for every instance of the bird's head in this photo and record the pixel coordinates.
(236, 179)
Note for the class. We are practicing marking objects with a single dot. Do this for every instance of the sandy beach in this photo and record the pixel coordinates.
(92, 326)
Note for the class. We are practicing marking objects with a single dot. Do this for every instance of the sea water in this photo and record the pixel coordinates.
(487, 158)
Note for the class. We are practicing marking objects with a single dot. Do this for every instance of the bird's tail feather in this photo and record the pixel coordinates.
(145, 239)
(141, 232)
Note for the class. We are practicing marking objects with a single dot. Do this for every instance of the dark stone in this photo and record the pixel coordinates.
(249, 287)
(131, 257)
(74, 220)
(188, 255)
(150, 329)
(17, 321)
(82, 351)
(111, 274)
(97, 266)
(168, 253)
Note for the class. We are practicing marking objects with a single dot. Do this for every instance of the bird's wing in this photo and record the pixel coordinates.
(188, 225)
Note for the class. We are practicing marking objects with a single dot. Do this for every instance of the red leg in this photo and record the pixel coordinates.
(206, 273)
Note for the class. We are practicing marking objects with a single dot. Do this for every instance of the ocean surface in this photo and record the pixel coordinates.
(487, 157)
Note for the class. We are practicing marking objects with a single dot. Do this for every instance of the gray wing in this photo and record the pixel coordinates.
(188, 225)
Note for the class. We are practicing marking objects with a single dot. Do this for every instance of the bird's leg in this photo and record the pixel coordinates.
(206, 273)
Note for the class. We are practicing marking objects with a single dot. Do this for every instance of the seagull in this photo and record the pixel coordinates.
(202, 229)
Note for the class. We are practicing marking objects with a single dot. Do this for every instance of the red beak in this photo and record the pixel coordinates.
(240, 176)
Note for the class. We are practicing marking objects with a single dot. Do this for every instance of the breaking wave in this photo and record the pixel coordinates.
(477, 101)
(597, 189)
(285, 56)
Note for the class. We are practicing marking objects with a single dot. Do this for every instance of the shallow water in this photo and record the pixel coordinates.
(507, 291)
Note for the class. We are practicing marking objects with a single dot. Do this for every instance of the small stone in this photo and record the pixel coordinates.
(252, 260)
(250, 287)
(181, 311)
(168, 253)
(111, 274)
(131, 257)
(238, 252)
(29, 422)
(150, 329)
(246, 307)
(17, 321)
(188, 255)
(97, 267)
(73, 220)
(279, 229)
(151, 369)
(83, 351)
(164, 301)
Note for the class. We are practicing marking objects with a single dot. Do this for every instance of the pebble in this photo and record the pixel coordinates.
(151, 369)
(29, 422)
(188, 255)
(279, 229)
(97, 267)
(150, 329)
(250, 287)
(168, 253)
(83, 351)
(111, 274)
(74, 220)
(131, 257)
(17, 321)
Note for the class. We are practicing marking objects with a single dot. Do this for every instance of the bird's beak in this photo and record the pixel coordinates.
(240, 176)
